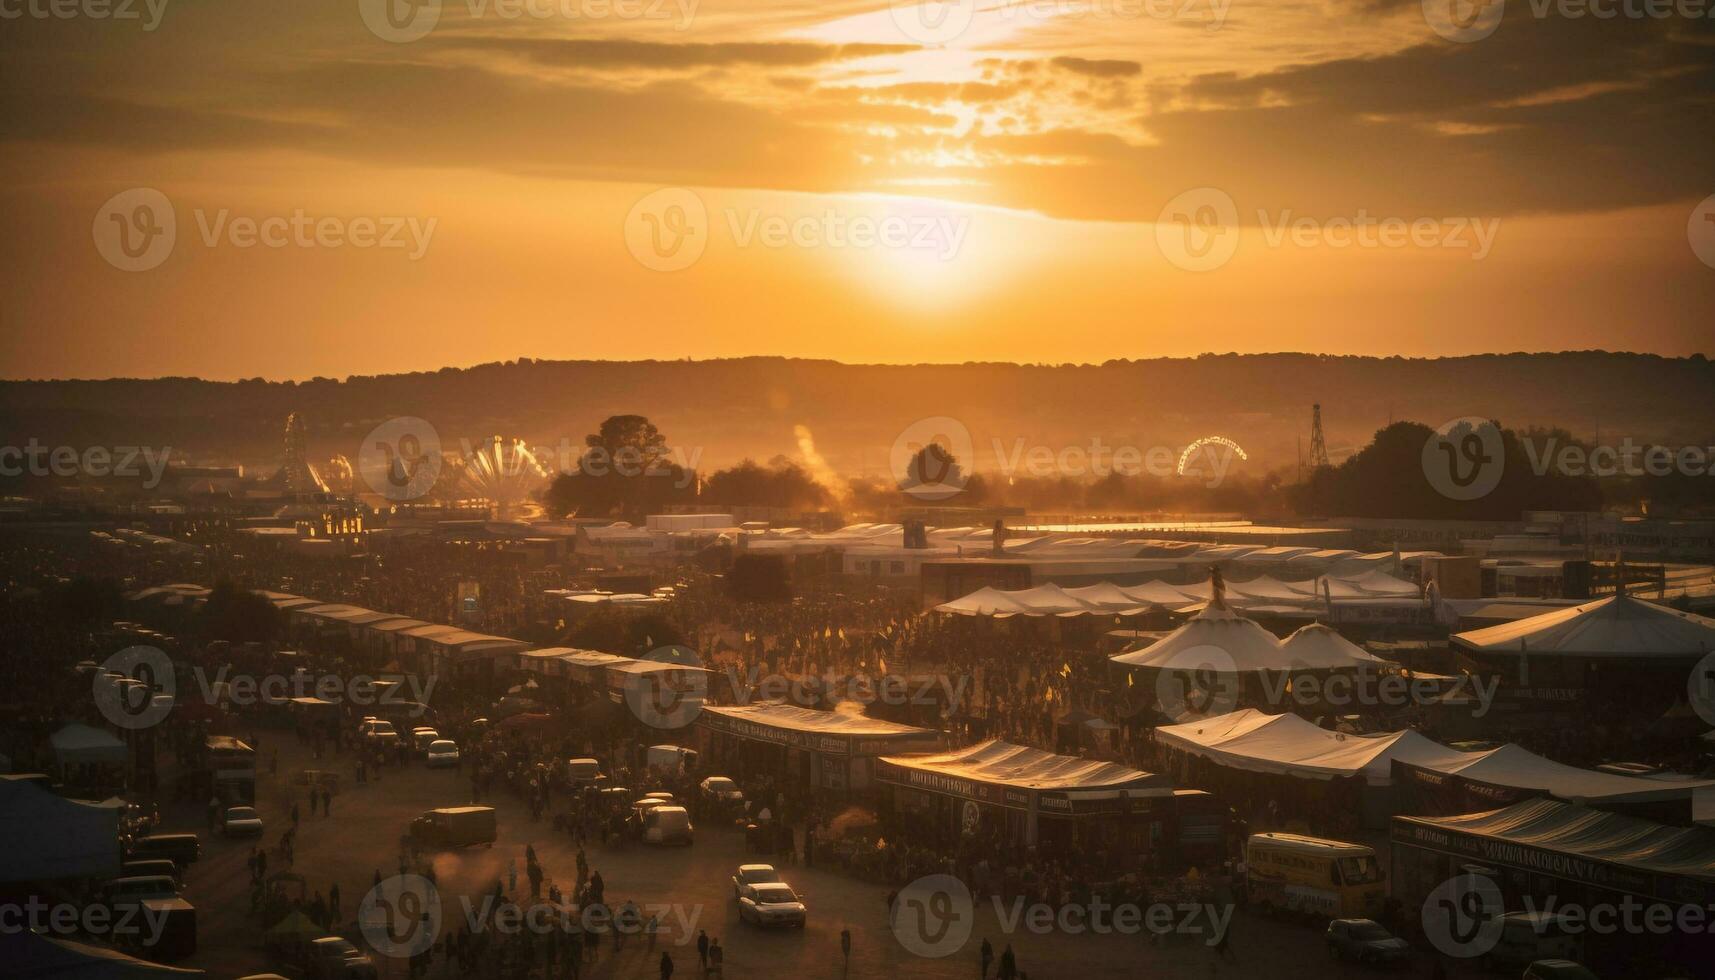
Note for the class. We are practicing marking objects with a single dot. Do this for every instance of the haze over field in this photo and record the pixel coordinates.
(726, 410)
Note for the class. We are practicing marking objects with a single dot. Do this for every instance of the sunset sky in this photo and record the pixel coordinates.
(1035, 166)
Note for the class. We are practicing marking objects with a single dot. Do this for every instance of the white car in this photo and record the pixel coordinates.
(772, 904)
(722, 791)
(241, 821)
(138, 888)
(750, 875)
(441, 752)
(375, 730)
(334, 958)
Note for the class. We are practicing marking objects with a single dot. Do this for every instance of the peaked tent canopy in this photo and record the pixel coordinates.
(77, 744)
(1321, 647)
(1209, 640)
(1626, 843)
(1617, 626)
(1287, 745)
(1290, 746)
(1002, 763)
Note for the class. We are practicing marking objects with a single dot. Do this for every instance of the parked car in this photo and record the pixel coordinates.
(241, 821)
(442, 752)
(1364, 941)
(750, 875)
(333, 958)
(659, 794)
(152, 867)
(667, 824)
(181, 849)
(772, 904)
(375, 731)
(1526, 937)
(640, 809)
(455, 826)
(131, 891)
(1557, 970)
(422, 737)
(722, 792)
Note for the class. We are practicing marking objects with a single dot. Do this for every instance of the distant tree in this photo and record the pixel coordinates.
(623, 633)
(626, 471)
(782, 483)
(933, 475)
(238, 615)
(1387, 478)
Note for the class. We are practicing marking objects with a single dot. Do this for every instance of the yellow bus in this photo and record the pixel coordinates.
(1324, 878)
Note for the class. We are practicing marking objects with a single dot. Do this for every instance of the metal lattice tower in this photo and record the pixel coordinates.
(299, 477)
(1318, 445)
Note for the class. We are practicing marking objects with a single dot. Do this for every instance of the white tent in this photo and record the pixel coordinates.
(1221, 640)
(75, 744)
(1618, 626)
(1288, 745)
(1212, 639)
(1513, 765)
(1320, 647)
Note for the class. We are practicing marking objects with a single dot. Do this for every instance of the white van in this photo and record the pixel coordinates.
(672, 758)
(667, 824)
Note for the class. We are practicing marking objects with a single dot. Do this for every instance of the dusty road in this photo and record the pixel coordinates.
(361, 837)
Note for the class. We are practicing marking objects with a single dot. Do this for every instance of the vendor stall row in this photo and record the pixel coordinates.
(1261, 594)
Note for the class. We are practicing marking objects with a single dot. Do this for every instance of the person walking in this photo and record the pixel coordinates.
(715, 957)
(666, 966)
(987, 959)
(846, 951)
(1008, 964)
(702, 953)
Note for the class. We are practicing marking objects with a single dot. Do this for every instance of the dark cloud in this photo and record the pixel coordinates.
(613, 53)
(1098, 68)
